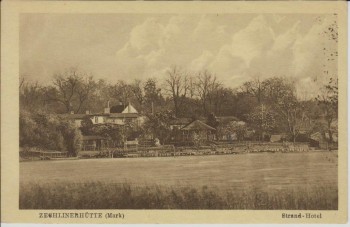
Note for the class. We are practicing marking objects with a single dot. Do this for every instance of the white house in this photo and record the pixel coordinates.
(118, 114)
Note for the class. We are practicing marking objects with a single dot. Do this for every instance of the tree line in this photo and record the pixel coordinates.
(268, 106)
(75, 91)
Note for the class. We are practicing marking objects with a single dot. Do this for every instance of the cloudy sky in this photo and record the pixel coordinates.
(235, 47)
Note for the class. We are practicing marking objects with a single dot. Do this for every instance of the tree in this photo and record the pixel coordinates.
(137, 89)
(276, 89)
(254, 88)
(40, 130)
(72, 138)
(219, 97)
(328, 102)
(72, 89)
(29, 135)
(213, 122)
(262, 119)
(121, 91)
(206, 84)
(215, 95)
(177, 85)
(31, 96)
(65, 89)
(280, 95)
(239, 128)
(85, 88)
(49, 132)
(87, 125)
(296, 117)
(158, 125)
(243, 104)
(153, 96)
(99, 98)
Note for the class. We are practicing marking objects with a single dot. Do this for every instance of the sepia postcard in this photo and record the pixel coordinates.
(174, 112)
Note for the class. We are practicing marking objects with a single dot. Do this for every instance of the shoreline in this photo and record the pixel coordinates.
(195, 153)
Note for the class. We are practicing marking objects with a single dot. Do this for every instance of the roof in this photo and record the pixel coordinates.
(118, 108)
(112, 115)
(317, 136)
(93, 138)
(74, 116)
(227, 118)
(197, 125)
(123, 115)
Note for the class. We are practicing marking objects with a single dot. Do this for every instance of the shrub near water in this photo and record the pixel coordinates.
(49, 132)
(97, 195)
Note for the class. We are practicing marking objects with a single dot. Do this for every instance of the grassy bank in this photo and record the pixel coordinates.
(99, 195)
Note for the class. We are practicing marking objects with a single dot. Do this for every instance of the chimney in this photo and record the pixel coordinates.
(87, 112)
(129, 107)
(108, 104)
(72, 112)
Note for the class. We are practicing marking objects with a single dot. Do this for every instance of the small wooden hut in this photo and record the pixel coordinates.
(197, 131)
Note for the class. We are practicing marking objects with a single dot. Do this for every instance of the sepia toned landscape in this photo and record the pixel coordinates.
(134, 111)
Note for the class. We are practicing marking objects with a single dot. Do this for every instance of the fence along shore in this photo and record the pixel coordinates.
(170, 150)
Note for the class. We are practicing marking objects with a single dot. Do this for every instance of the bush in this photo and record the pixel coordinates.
(48, 131)
(72, 137)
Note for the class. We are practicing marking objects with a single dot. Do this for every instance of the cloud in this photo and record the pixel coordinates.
(277, 59)
(202, 43)
(228, 66)
(209, 35)
(153, 46)
(175, 32)
(286, 40)
(235, 47)
(144, 38)
(202, 62)
(253, 40)
(232, 62)
(309, 52)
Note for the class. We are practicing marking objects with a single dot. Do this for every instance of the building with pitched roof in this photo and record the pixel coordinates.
(197, 130)
(118, 114)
